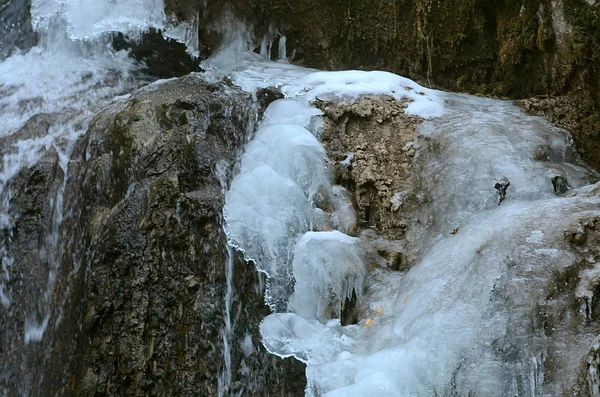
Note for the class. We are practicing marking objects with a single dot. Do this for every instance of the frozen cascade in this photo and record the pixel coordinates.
(328, 267)
(446, 326)
(458, 322)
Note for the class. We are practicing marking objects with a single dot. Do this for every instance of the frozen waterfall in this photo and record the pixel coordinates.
(460, 320)
(504, 210)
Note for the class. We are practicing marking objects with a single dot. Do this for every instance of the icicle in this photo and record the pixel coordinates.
(282, 48)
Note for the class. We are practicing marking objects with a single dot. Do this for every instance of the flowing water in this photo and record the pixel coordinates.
(470, 317)
(63, 81)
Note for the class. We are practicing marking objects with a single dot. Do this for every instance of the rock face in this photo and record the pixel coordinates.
(505, 48)
(26, 254)
(576, 112)
(372, 143)
(15, 26)
(139, 301)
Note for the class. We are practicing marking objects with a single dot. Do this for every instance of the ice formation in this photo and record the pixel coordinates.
(329, 267)
(436, 329)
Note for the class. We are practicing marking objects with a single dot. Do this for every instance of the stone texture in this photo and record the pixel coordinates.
(371, 142)
(138, 306)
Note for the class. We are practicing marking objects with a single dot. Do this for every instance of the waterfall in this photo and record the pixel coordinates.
(48, 96)
(487, 286)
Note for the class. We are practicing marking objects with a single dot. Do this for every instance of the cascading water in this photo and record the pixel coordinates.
(62, 82)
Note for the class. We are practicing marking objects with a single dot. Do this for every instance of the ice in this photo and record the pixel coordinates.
(328, 267)
(475, 146)
(290, 111)
(344, 216)
(310, 341)
(186, 33)
(269, 203)
(34, 331)
(291, 151)
(247, 345)
(585, 292)
(447, 325)
(265, 213)
(397, 200)
(250, 71)
(536, 237)
(90, 19)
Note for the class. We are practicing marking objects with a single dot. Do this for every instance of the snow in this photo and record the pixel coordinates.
(353, 83)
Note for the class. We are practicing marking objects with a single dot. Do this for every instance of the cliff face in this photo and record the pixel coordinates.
(138, 307)
(151, 176)
(505, 48)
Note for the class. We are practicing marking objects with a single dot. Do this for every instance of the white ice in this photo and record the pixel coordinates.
(90, 19)
(328, 268)
(437, 329)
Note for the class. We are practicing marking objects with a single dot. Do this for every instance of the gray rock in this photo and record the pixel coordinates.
(141, 280)
(560, 184)
(501, 185)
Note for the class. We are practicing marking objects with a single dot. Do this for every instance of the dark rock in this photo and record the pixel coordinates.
(28, 252)
(141, 281)
(162, 58)
(560, 184)
(268, 95)
(15, 26)
(501, 185)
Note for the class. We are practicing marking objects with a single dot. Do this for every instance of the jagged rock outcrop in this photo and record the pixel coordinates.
(372, 143)
(139, 298)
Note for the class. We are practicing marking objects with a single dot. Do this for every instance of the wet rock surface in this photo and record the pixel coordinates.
(138, 306)
(576, 113)
(15, 26)
(501, 185)
(560, 184)
(26, 255)
(161, 57)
